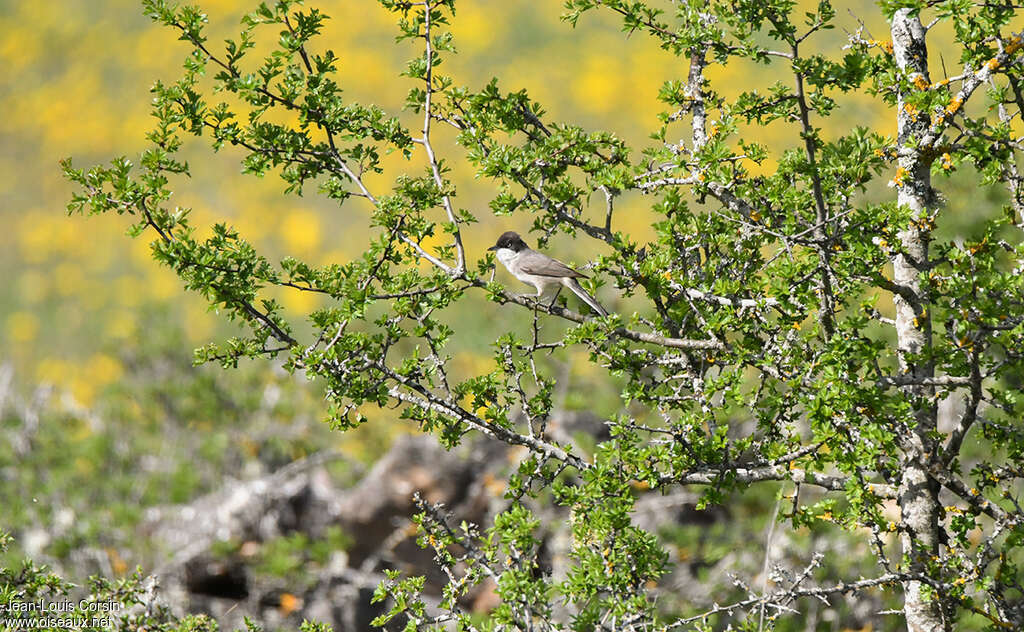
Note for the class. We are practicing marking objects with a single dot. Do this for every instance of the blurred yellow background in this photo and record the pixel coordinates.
(75, 83)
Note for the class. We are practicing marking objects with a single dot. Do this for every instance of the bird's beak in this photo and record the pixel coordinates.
(495, 247)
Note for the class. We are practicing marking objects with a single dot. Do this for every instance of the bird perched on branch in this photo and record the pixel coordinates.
(541, 271)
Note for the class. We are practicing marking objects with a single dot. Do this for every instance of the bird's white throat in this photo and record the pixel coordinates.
(506, 256)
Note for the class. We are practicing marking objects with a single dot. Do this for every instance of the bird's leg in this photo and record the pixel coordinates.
(555, 297)
(524, 295)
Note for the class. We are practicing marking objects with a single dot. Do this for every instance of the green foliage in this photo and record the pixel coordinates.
(793, 323)
(78, 470)
(123, 605)
(286, 556)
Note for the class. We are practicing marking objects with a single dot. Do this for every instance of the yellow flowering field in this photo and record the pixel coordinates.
(76, 84)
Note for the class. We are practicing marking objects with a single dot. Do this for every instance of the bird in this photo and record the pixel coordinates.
(539, 270)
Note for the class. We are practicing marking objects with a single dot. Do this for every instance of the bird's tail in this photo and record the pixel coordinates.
(573, 285)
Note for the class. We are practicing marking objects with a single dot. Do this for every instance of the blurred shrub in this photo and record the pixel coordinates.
(77, 479)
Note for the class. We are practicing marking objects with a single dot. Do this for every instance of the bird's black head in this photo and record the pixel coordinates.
(510, 240)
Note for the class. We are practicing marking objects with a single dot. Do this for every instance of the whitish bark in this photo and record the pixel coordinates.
(918, 493)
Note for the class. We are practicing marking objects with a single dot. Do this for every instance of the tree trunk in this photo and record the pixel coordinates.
(918, 493)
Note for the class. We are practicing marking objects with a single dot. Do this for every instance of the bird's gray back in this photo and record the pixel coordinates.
(539, 264)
